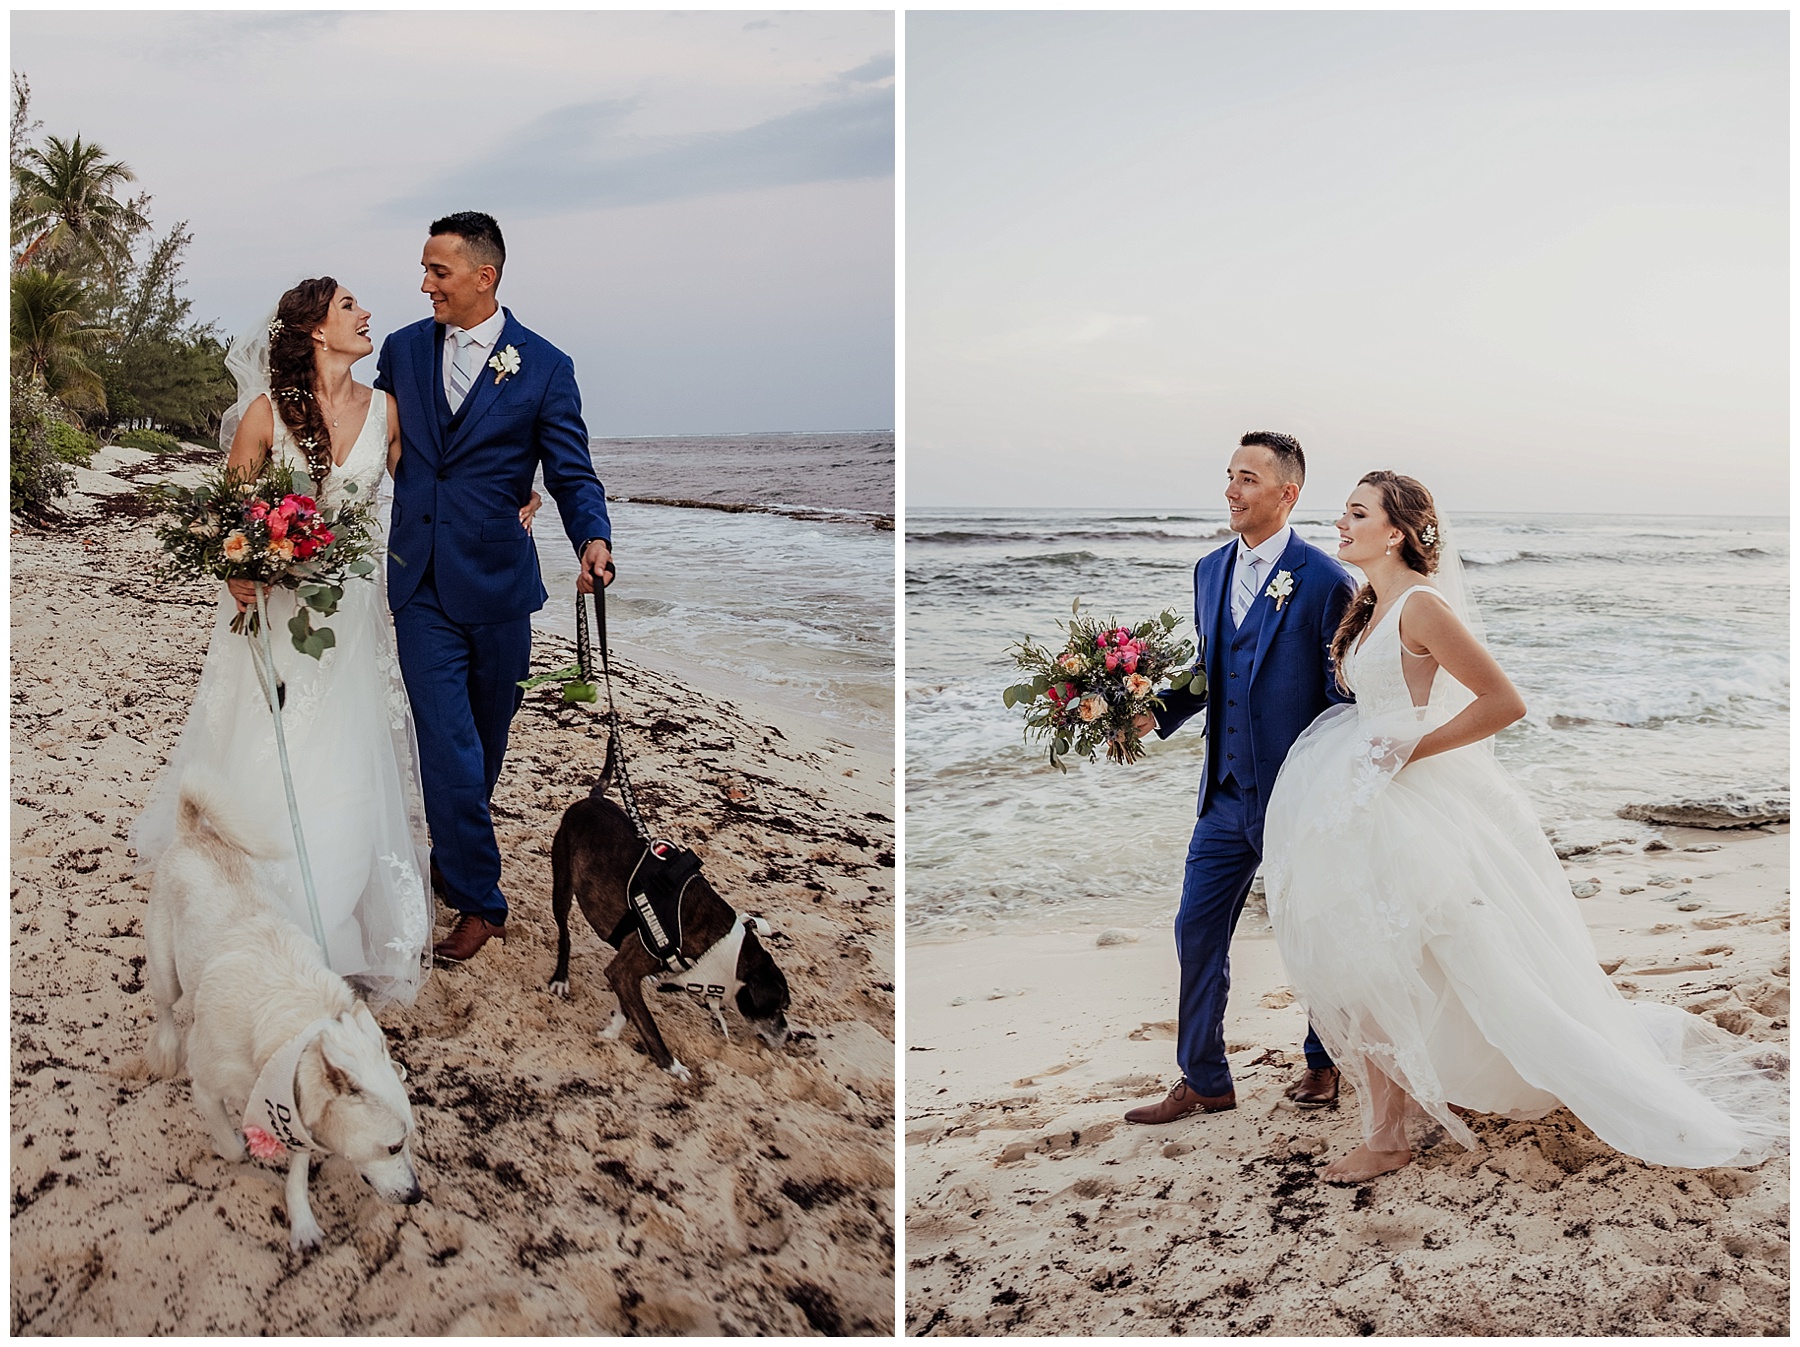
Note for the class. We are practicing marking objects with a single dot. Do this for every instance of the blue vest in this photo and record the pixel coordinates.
(1231, 701)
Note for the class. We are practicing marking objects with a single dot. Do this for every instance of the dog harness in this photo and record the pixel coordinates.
(272, 1106)
(653, 902)
(654, 892)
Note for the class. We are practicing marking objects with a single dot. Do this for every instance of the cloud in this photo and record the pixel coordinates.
(872, 71)
(579, 156)
(236, 35)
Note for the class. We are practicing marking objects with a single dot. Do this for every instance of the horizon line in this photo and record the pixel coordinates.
(1200, 509)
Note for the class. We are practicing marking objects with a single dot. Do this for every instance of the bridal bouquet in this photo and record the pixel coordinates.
(1087, 694)
(271, 529)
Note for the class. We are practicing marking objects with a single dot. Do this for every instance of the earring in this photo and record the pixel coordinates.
(1390, 551)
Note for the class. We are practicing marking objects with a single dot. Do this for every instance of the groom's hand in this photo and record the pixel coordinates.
(596, 561)
(1144, 723)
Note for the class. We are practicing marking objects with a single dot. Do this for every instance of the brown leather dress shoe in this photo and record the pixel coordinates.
(469, 934)
(1180, 1102)
(1317, 1088)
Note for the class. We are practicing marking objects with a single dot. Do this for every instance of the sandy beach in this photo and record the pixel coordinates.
(1032, 1208)
(571, 1187)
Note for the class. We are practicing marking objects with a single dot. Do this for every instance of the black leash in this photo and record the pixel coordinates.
(664, 869)
(584, 658)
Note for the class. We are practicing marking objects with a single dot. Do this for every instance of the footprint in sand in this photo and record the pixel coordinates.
(1151, 1030)
(1053, 1071)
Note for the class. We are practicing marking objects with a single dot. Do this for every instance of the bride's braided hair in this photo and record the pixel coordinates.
(1409, 508)
(291, 370)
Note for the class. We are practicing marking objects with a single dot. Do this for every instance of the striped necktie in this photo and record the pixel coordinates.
(460, 378)
(1247, 578)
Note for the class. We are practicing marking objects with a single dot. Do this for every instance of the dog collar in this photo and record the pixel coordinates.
(272, 1106)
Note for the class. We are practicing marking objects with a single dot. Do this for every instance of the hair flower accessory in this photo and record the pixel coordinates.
(275, 326)
(1280, 588)
(505, 363)
(1429, 536)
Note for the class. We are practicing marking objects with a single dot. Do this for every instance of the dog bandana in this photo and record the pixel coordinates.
(272, 1107)
(712, 977)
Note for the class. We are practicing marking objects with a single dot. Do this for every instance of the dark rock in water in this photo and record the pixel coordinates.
(1733, 809)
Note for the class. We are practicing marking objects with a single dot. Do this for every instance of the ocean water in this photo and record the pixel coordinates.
(1652, 654)
(786, 597)
(848, 476)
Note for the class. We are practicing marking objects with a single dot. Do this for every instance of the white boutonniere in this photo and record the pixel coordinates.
(505, 363)
(1280, 588)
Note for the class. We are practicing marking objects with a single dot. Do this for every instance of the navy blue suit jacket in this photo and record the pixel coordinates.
(1292, 679)
(462, 479)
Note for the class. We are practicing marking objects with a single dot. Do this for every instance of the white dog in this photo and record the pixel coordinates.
(275, 1032)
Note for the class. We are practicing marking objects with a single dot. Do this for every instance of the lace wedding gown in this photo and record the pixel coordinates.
(351, 748)
(1427, 925)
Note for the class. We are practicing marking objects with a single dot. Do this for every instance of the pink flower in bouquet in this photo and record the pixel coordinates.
(1091, 707)
(237, 546)
(1137, 685)
(259, 510)
(1059, 694)
(302, 505)
(278, 526)
(1112, 660)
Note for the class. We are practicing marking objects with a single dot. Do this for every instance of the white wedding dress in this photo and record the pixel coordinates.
(351, 749)
(1427, 925)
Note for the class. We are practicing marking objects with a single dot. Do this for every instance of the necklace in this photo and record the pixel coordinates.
(329, 410)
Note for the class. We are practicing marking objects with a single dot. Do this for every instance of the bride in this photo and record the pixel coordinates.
(1425, 920)
(347, 722)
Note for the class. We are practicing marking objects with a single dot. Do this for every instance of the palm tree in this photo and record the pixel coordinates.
(51, 334)
(64, 202)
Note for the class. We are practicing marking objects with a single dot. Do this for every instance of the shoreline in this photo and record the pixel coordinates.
(1032, 1208)
(570, 1186)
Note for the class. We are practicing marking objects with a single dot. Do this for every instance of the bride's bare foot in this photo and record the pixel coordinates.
(1363, 1163)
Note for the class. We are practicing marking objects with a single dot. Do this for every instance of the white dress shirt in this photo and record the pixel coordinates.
(1265, 554)
(481, 341)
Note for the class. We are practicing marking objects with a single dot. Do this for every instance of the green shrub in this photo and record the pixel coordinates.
(36, 473)
(156, 441)
(70, 443)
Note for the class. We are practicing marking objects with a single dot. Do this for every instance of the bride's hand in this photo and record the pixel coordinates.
(528, 510)
(244, 591)
(1144, 723)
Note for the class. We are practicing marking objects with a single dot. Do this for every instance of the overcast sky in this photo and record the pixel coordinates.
(1538, 260)
(699, 208)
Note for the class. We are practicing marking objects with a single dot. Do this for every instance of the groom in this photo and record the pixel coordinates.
(1265, 607)
(483, 401)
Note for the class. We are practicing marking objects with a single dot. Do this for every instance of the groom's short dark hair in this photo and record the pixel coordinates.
(480, 234)
(1287, 451)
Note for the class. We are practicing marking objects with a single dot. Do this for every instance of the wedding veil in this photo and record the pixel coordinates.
(248, 363)
(1453, 584)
